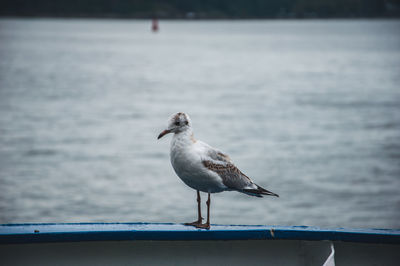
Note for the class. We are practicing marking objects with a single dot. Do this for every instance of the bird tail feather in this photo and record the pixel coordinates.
(258, 192)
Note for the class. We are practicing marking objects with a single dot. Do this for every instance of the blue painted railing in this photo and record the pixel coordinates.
(70, 232)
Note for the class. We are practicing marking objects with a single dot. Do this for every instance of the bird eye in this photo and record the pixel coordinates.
(176, 123)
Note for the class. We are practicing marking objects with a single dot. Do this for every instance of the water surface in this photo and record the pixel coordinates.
(308, 109)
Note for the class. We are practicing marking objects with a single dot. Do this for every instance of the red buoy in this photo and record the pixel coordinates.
(154, 25)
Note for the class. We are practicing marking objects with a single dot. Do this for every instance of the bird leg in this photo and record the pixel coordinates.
(207, 224)
(199, 218)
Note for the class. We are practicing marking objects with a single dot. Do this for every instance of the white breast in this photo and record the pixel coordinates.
(186, 159)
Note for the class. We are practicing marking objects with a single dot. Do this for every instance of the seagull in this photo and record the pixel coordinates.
(205, 168)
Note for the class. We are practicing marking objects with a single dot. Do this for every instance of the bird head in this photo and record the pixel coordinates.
(178, 122)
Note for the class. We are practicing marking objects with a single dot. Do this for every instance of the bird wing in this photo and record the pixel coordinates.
(220, 163)
(231, 176)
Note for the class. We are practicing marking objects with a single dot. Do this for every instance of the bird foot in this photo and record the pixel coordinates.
(198, 224)
(203, 226)
(195, 223)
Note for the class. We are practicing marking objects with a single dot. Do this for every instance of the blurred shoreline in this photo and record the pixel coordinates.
(203, 19)
(197, 9)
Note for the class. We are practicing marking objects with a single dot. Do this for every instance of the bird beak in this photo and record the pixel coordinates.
(162, 134)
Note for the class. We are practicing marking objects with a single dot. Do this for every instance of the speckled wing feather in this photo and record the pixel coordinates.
(232, 177)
